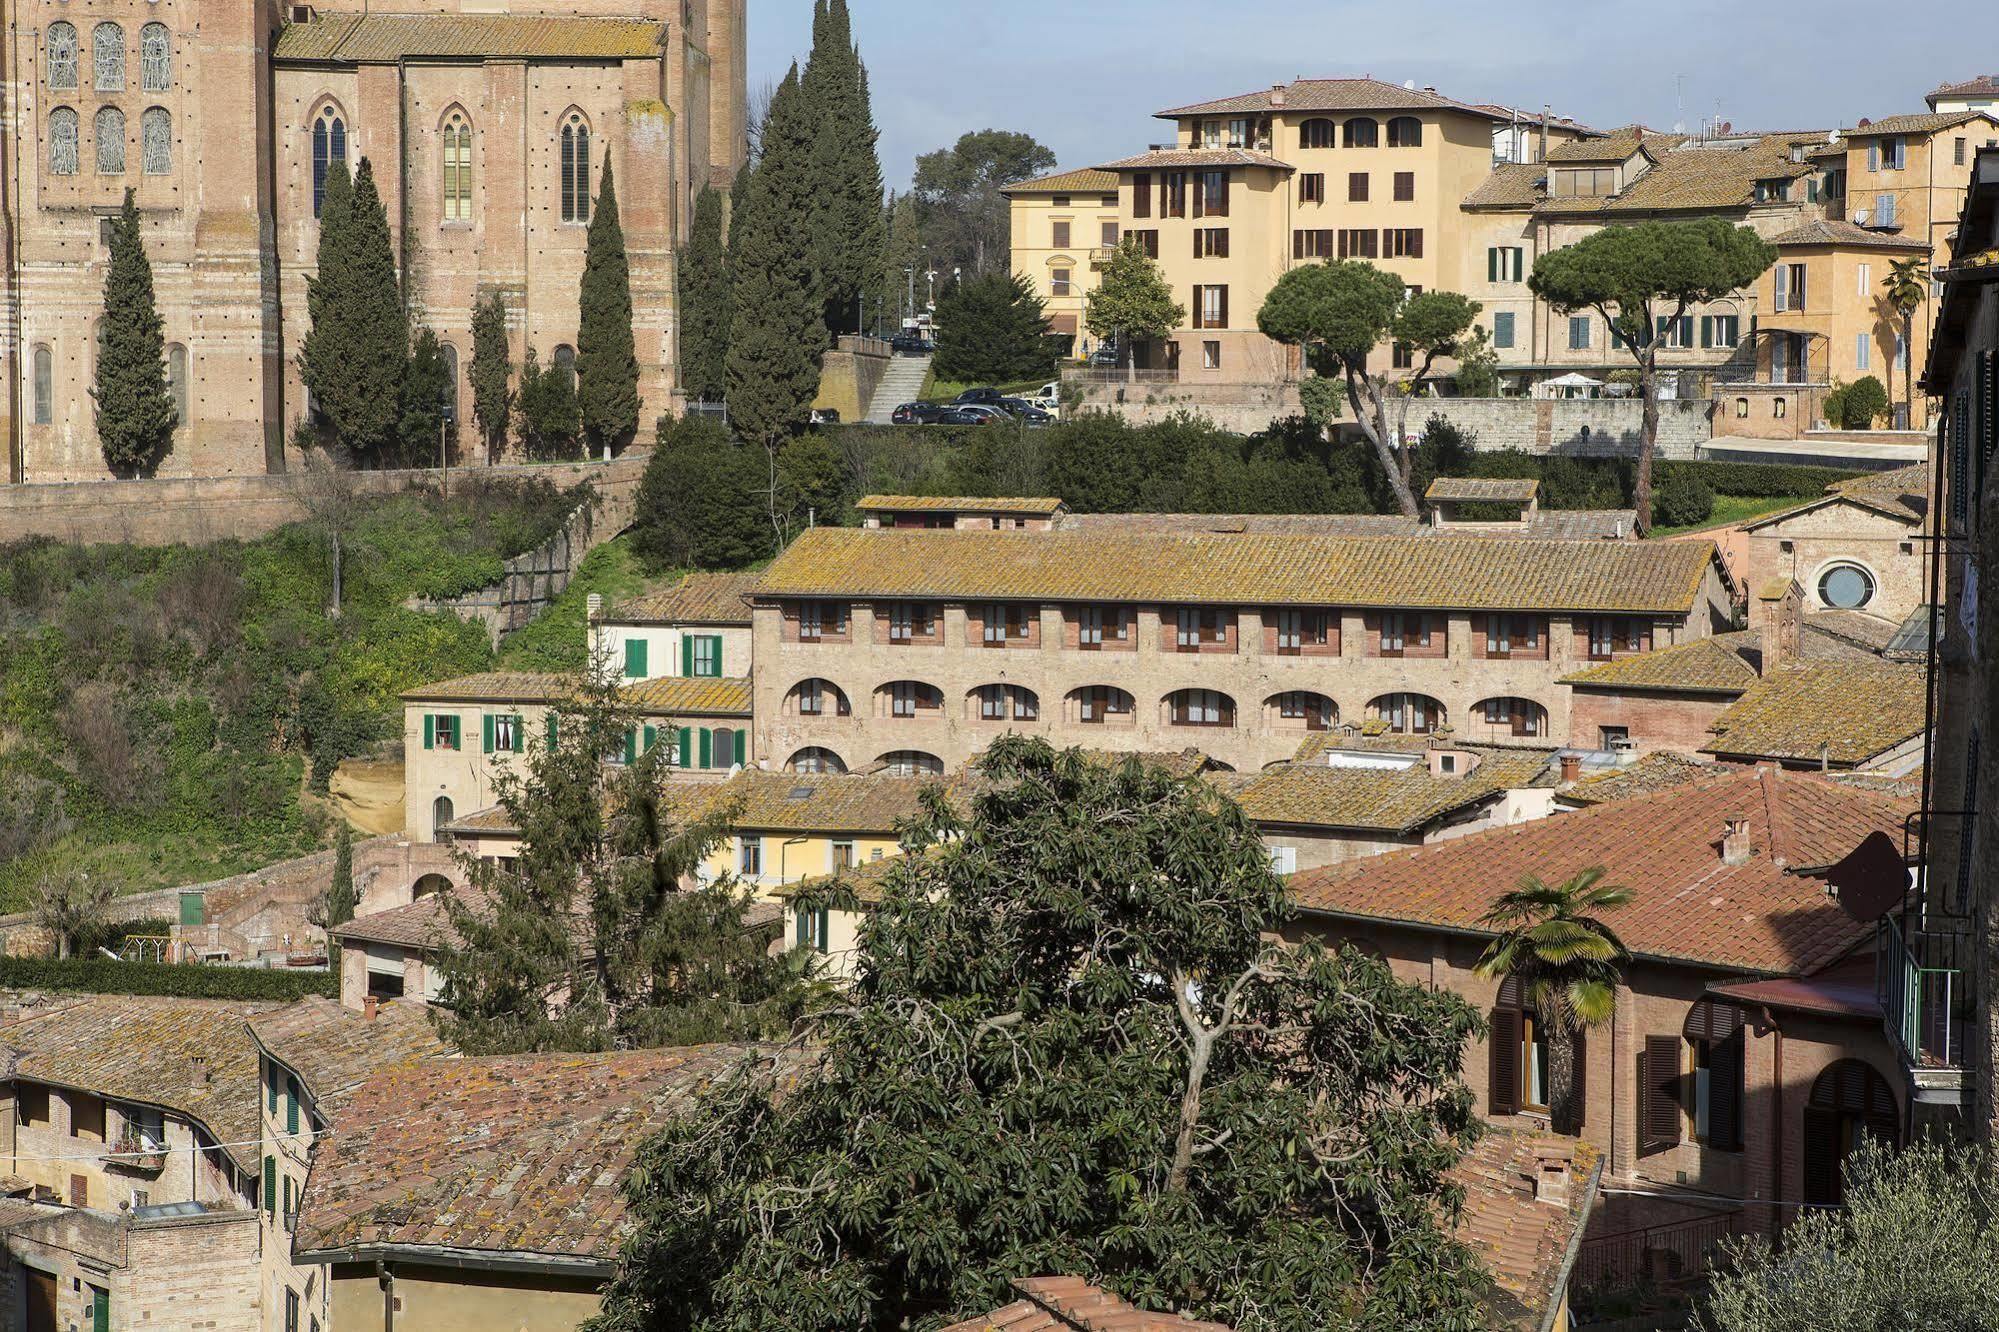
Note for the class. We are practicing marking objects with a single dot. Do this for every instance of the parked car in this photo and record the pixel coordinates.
(911, 344)
(825, 416)
(1106, 355)
(1023, 410)
(970, 416)
(919, 413)
(987, 396)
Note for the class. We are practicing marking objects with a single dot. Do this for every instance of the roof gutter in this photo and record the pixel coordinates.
(467, 1260)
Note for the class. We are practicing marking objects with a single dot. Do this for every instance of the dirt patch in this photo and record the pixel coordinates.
(369, 795)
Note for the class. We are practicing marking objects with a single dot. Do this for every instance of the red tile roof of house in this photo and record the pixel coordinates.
(1765, 915)
(1071, 1304)
(1524, 1238)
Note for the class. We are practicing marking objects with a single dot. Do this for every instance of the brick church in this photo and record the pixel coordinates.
(488, 133)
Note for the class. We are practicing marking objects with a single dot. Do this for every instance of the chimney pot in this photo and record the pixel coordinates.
(1572, 768)
(1735, 842)
(370, 1006)
(1277, 94)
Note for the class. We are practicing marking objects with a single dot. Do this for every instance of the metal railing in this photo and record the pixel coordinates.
(1922, 982)
(1679, 1251)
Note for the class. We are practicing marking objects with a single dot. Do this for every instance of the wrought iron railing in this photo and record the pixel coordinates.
(1923, 982)
(1661, 1255)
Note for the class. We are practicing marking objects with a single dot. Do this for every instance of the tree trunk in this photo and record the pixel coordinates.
(1190, 1112)
(1648, 440)
(1909, 370)
(1562, 1110)
(1372, 413)
(335, 613)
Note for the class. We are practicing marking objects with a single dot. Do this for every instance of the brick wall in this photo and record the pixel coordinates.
(1655, 720)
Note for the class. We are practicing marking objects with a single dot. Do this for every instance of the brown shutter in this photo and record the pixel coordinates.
(1725, 1074)
(1141, 194)
(1223, 211)
(1416, 243)
(1821, 1157)
(1503, 1077)
(1224, 308)
(1581, 1064)
(1478, 632)
(1659, 1095)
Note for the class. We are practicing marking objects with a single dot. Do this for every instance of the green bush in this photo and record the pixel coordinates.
(100, 975)
(1682, 501)
(1756, 480)
(1859, 404)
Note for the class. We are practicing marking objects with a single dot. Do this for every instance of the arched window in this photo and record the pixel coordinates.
(565, 361)
(1407, 714)
(1849, 1101)
(1405, 132)
(1317, 134)
(1200, 707)
(62, 141)
(1361, 132)
(908, 700)
(440, 816)
(998, 703)
(430, 884)
(109, 131)
(44, 385)
(107, 57)
(575, 168)
(1300, 710)
(329, 145)
(815, 760)
(156, 58)
(911, 763)
(448, 354)
(156, 141)
(61, 48)
(817, 698)
(1102, 705)
(1516, 717)
(457, 168)
(177, 380)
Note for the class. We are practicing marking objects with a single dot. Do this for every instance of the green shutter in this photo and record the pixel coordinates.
(635, 659)
(651, 739)
(288, 1196)
(486, 732)
(631, 744)
(800, 934)
(743, 748)
(554, 731)
(274, 1091)
(707, 747)
(714, 642)
(270, 1185)
(686, 756)
(291, 1106)
(520, 734)
(824, 919)
(429, 731)
(100, 1309)
(1492, 265)
(686, 656)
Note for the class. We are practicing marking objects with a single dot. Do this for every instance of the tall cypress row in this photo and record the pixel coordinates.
(847, 231)
(356, 354)
(704, 302)
(135, 412)
(607, 360)
(492, 373)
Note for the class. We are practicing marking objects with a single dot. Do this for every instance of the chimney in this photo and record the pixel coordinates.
(1277, 93)
(593, 605)
(1572, 769)
(198, 1065)
(1551, 1179)
(1778, 618)
(1735, 842)
(370, 1007)
(1547, 113)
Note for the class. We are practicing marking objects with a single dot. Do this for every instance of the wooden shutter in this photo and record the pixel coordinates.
(686, 656)
(1223, 211)
(1492, 265)
(520, 733)
(291, 1106)
(554, 730)
(707, 747)
(1141, 194)
(1503, 1077)
(429, 731)
(686, 747)
(1659, 1095)
(1725, 1075)
(486, 733)
(743, 748)
(1821, 1156)
(651, 737)
(270, 1185)
(1223, 308)
(631, 744)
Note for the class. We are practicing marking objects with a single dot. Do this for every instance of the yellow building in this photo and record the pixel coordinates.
(1064, 227)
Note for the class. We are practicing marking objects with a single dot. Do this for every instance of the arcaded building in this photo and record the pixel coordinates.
(488, 133)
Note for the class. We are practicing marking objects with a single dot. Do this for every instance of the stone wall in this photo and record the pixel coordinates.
(1580, 427)
(849, 375)
(1245, 409)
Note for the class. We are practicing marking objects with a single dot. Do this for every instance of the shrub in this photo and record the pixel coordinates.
(1756, 480)
(100, 975)
(1862, 401)
(1682, 501)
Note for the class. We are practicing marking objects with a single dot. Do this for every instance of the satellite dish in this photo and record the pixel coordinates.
(1860, 217)
(1832, 136)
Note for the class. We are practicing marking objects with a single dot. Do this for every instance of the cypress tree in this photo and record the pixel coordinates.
(704, 302)
(340, 895)
(426, 386)
(492, 373)
(777, 331)
(993, 329)
(135, 412)
(607, 361)
(847, 233)
(356, 354)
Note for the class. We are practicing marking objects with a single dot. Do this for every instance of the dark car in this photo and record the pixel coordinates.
(982, 397)
(962, 416)
(1023, 410)
(919, 413)
(911, 344)
(1106, 354)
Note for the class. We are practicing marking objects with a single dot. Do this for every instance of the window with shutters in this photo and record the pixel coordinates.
(707, 656)
(508, 737)
(1356, 187)
(1407, 714)
(1517, 1076)
(1717, 1046)
(1211, 306)
(821, 621)
(1059, 235)
(811, 926)
(1405, 132)
(1405, 187)
(1317, 133)
(1360, 243)
(1211, 243)
(1097, 705)
(1141, 194)
(1361, 132)
(1102, 628)
(1660, 1099)
(1402, 242)
(1200, 707)
(1173, 194)
(1196, 627)
(1579, 332)
(1317, 243)
(1312, 187)
(444, 729)
(1850, 1102)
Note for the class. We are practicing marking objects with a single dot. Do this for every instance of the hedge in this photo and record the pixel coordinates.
(100, 975)
(1757, 480)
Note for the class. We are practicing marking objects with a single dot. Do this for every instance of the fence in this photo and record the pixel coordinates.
(1677, 1251)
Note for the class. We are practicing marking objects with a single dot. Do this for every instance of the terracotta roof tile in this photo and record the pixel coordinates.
(424, 923)
(1522, 1240)
(1687, 905)
(1339, 95)
(1844, 712)
(496, 687)
(1692, 177)
(1511, 185)
(1044, 507)
(754, 800)
(1918, 123)
(1543, 525)
(1985, 85)
(1473, 573)
(1506, 489)
(699, 598)
(1197, 157)
(1088, 180)
(1308, 793)
(1613, 146)
(1072, 1304)
(1655, 772)
(1831, 231)
(335, 1049)
(679, 697)
(387, 38)
(1903, 494)
(523, 1154)
(1718, 664)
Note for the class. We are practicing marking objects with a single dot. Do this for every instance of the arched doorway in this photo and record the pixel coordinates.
(429, 885)
(440, 818)
(1849, 1101)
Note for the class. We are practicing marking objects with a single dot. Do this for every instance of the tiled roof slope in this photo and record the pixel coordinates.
(1985, 85)
(1543, 525)
(1482, 488)
(1511, 185)
(699, 598)
(1687, 178)
(1613, 146)
(191, 1056)
(1717, 664)
(1315, 794)
(1361, 94)
(1087, 180)
(1041, 506)
(1832, 231)
(1197, 157)
(1655, 772)
(387, 38)
(677, 696)
(1917, 123)
(1071, 1304)
(754, 800)
(424, 923)
(1522, 1241)
(1471, 573)
(668, 696)
(1844, 712)
(522, 1154)
(335, 1049)
(1687, 904)
(496, 687)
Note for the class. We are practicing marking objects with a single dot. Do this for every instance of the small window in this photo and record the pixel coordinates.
(1742, 408)
(750, 857)
(44, 385)
(1579, 332)
(1405, 187)
(1211, 355)
(1846, 587)
(1356, 187)
(1502, 329)
(177, 380)
(1312, 187)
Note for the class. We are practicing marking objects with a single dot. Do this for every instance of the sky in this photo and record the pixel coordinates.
(1085, 76)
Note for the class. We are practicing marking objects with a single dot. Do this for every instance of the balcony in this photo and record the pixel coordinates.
(1922, 978)
(136, 1153)
(1101, 255)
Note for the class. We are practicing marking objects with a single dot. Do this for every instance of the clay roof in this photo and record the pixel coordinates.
(1511, 185)
(699, 598)
(1659, 771)
(423, 923)
(492, 819)
(1918, 123)
(521, 1154)
(1688, 905)
(1087, 180)
(1542, 524)
(1687, 178)
(382, 39)
(818, 802)
(1197, 157)
(1612, 146)
(335, 1049)
(1903, 494)
(668, 696)
(1361, 94)
(1713, 665)
(1833, 231)
(1442, 571)
(1045, 507)
(865, 879)
(675, 696)
(1316, 794)
(496, 687)
(1071, 1304)
(1505, 489)
(1844, 712)
(1523, 1241)
(192, 1056)
(1985, 85)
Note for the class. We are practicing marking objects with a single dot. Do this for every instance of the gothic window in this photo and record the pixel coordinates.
(177, 380)
(329, 145)
(61, 48)
(575, 168)
(156, 60)
(156, 141)
(565, 361)
(457, 168)
(107, 57)
(109, 130)
(44, 386)
(62, 141)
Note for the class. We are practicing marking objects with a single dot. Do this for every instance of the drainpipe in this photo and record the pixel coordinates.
(17, 453)
(385, 1277)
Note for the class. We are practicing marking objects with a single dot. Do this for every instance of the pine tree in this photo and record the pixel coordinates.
(355, 355)
(607, 362)
(992, 329)
(778, 330)
(847, 232)
(492, 373)
(704, 302)
(341, 899)
(135, 412)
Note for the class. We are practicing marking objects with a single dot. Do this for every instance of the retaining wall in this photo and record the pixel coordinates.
(1580, 427)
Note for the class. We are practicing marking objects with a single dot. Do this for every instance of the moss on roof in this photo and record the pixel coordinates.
(387, 38)
(1840, 712)
(1712, 665)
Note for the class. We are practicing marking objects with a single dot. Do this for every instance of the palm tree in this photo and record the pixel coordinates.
(1907, 283)
(1550, 940)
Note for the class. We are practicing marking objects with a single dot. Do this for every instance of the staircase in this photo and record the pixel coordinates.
(901, 382)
